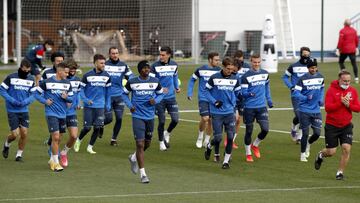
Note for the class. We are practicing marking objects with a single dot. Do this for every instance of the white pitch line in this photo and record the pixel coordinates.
(272, 109)
(241, 126)
(182, 193)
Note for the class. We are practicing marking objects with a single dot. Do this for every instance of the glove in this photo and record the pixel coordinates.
(270, 104)
(218, 104)
(337, 52)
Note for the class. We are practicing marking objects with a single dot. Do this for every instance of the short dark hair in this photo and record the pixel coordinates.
(25, 63)
(304, 49)
(56, 54)
(238, 54)
(71, 63)
(227, 61)
(312, 62)
(211, 55)
(49, 42)
(255, 56)
(238, 63)
(166, 49)
(111, 48)
(343, 72)
(99, 57)
(61, 65)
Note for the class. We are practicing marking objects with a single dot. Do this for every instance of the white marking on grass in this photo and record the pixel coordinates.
(241, 126)
(182, 193)
(272, 109)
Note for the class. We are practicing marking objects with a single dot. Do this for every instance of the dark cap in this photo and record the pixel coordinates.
(143, 64)
(312, 62)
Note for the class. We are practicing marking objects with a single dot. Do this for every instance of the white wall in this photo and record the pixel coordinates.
(236, 16)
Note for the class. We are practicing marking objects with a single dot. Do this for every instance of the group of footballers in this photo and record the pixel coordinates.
(226, 95)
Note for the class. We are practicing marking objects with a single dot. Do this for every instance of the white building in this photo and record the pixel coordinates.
(236, 16)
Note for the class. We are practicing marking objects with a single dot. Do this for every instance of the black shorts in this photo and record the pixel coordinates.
(35, 70)
(335, 134)
(17, 120)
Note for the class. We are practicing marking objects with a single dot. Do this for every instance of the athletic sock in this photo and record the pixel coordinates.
(207, 138)
(7, 144)
(338, 172)
(227, 158)
(247, 150)
(142, 172)
(55, 158)
(256, 142)
(65, 150)
(19, 153)
(321, 155)
(201, 134)
(133, 157)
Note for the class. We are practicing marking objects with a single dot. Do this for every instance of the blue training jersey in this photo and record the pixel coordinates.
(141, 93)
(255, 88)
(224, 89)
(52, 88)
(245, 68)
(310, 92)
(75, 86)
(202, 73)
(117, 71)
(36, 54)
(48, 73)
(293, 73)
(95, 87)
(15, 89)
(167, 75)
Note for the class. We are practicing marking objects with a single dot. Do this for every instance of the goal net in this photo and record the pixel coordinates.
(82, 28)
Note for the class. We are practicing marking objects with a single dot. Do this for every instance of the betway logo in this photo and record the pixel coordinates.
(18, 87)
(258, 83)
(97, 84)
(166, 74)
(57, 91)
(229, 88)
(115, 74)
(313, 87)
(143, 92)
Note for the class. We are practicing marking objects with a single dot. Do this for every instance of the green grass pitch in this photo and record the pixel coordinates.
(181, 174)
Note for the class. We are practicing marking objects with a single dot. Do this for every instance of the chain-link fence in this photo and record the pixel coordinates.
(82, 28)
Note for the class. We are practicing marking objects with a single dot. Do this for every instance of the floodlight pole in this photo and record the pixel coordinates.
(195, 31)
(5, 33)
(322, 31)
(18, 32)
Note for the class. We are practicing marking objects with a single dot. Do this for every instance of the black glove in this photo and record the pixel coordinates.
(270, 104)
(218, 104)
